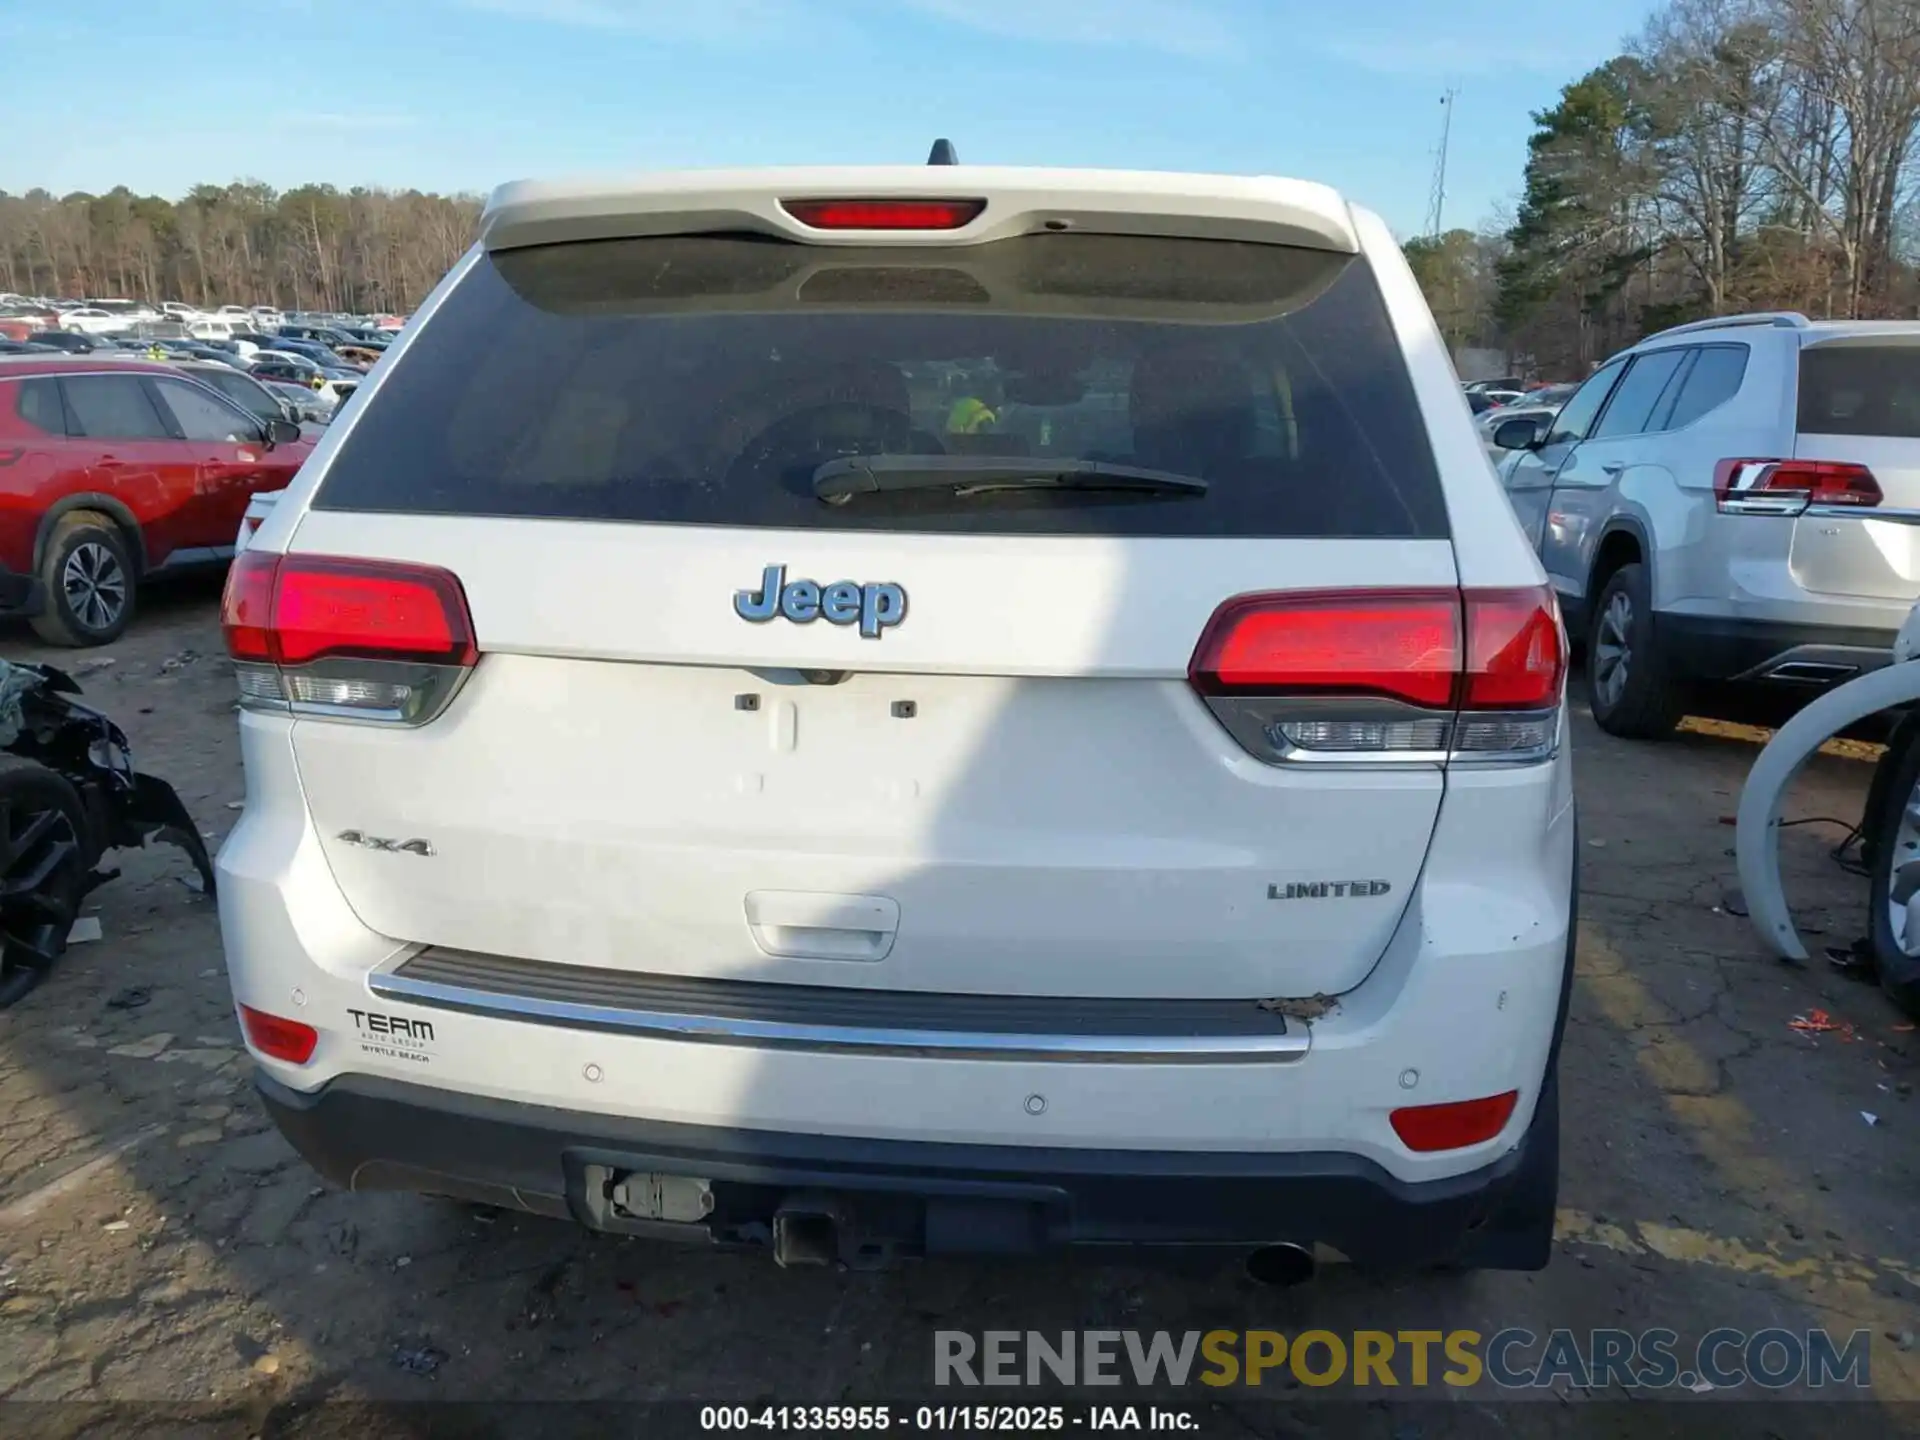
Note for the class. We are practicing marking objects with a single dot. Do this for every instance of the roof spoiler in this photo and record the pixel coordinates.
(1019, 201)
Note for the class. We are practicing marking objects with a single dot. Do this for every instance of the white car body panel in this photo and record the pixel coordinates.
(1501, 864)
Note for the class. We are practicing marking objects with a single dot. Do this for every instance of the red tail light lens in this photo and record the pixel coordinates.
(1400, 645)
(1455, 1125)
(1786, 487)
(1515, 656)
(370, 608)
(278, 1038)
(246, 606)
(884, 214)
(1399, 674)
(370, 639)
(292, 609)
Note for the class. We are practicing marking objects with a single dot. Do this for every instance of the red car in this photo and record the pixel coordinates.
(112, 471)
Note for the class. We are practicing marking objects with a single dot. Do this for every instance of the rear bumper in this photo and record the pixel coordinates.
(1715, 648)
(894, 1198)
(1462, 1004)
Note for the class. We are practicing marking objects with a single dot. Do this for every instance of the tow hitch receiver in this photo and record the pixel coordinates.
(860, 1231)
(807, 1231)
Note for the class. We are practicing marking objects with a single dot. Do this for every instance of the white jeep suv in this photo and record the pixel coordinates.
(897, 711)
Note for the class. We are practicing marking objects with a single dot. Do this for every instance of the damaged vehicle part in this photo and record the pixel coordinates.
(1889, 825)
(68, 794)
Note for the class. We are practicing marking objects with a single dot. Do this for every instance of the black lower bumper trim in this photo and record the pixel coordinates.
(909, 1197)
(1716, 650)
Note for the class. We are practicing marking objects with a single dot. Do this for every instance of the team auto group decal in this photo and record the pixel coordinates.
(394, 1037)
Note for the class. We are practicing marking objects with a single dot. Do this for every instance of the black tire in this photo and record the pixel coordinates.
(1905, 732)
(1628, 686)
(1893, 787)
(88, 571)
(47, 852)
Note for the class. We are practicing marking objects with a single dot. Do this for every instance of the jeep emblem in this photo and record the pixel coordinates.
(874, 607)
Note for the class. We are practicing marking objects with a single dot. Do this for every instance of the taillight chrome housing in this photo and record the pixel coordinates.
(349, 639)
(1789, 487)
(1372, 676)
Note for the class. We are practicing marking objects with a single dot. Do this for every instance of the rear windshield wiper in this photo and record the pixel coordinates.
(840, 480)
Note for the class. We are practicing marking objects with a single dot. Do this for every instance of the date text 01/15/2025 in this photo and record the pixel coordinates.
(946, 1418)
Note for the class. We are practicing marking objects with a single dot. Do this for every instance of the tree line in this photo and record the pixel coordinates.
(1737, 155)
(310, 248)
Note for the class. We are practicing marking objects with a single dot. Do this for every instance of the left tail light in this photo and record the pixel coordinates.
(278, 1038)
(1392, 675)
(349, 639)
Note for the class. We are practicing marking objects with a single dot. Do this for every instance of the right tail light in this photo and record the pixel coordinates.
(1788, 487)
(1473, 675)
(1428, 1129)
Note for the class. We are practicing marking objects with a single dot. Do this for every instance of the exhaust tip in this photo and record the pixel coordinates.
(1280, 1266)
(1811, 671)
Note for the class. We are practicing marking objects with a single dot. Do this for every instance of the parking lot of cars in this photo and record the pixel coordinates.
(323, 356)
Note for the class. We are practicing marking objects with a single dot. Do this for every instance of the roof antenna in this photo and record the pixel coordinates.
(943, 154)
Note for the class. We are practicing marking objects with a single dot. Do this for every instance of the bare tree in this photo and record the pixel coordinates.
(1743, 154)
(312, 247)
(1841, 149)
(1712, 89)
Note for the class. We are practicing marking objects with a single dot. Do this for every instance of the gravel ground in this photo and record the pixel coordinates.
(159, 1243)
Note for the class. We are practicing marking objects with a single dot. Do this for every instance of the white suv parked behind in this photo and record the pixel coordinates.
(910, 710)
(1731, 500)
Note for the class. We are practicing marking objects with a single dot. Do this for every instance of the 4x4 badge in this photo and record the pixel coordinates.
(874, 606)
(381, 842)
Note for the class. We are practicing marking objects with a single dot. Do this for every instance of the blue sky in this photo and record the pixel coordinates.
(463, 94)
